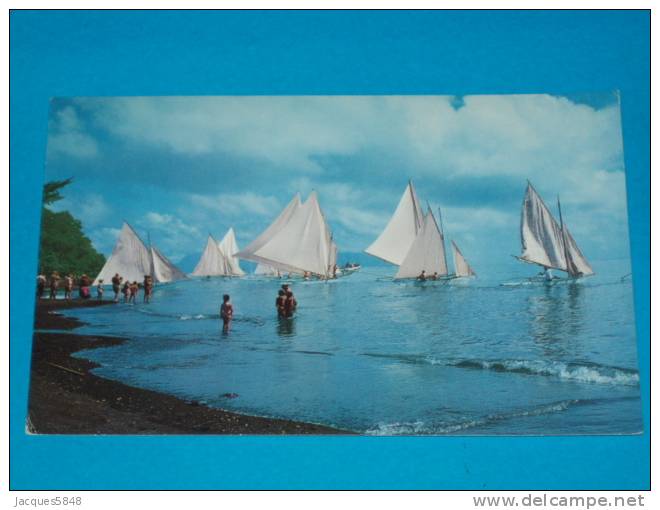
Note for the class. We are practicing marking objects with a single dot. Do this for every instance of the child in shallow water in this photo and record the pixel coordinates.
(279, 302)
(133, 289)
(226, 313)
(126, 290)
(290, 304)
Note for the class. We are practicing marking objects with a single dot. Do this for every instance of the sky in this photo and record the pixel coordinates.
(179, 168)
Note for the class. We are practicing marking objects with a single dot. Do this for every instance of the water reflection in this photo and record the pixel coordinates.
(556, 317)
(286, 326)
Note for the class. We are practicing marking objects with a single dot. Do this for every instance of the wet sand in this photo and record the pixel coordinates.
(66, 398)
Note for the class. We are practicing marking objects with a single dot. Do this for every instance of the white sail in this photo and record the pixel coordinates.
(163, 270)
(212, 262)
(577, 263)
(266, 270)
(546, 242)
(540, 233)
(229, 247)
(333, 256)
(301, 245)
(130, 258)
(461, 265)
(277, 225)
(427, 252)
(395, 241)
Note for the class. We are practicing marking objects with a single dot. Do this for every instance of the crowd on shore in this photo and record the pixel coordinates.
(129, 290)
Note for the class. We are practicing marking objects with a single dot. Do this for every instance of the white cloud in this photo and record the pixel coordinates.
(536, 136)
(358, 220)
(104, 239)
(564, 148)
(168, 224)
(170, 234)
(90, 208)
(238, 204)
(67, 136)
(284, 131)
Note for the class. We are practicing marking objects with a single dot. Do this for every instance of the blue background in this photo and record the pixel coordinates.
(76, 53)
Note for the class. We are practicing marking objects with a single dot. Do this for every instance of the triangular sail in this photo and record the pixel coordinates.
(163, 270)
(577, 263)
(301, 244)
(395, 241)
(333, 256)
(130, 258)
(461, 265)
(272, 230)
(546, 242)
(229, 247)
(212, 262)
(541, 235)
(427, 252)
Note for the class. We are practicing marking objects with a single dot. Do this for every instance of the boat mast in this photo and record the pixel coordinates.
(442, 236)
(153, 262)
(563, 238)
(418, 221)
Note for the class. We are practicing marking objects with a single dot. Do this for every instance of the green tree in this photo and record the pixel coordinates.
(64, 247)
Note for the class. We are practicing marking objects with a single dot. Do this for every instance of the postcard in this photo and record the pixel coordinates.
(371, 265)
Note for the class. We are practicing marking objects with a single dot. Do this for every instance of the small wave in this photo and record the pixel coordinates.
(196, 317)
(586, 372)
(421, 428)
(399, 429)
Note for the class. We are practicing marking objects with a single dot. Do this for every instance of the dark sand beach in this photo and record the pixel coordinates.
(66, 398)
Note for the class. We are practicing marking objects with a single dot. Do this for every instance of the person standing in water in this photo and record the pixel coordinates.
(41, 285)
(68, 286)
(99, 290)
(84, 285)
(279, 303)
(148, 288)
(126, 289)
(226, 313)
(290, 304)
(54, 284)
(116, 285)
(133, 289)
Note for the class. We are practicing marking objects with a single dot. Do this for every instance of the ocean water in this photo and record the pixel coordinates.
(493, 355)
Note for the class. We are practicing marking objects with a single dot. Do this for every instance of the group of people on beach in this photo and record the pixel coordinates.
(285, 304)
(66, 282)
(128, 289)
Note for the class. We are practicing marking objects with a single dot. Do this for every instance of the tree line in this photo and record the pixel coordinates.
(63, 246)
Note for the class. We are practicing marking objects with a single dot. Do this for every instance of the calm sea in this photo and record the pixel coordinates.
(495, 355)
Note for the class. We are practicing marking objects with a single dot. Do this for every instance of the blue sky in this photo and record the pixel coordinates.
(182, 167)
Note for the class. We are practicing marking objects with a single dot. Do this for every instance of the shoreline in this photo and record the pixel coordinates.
(65, 397)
